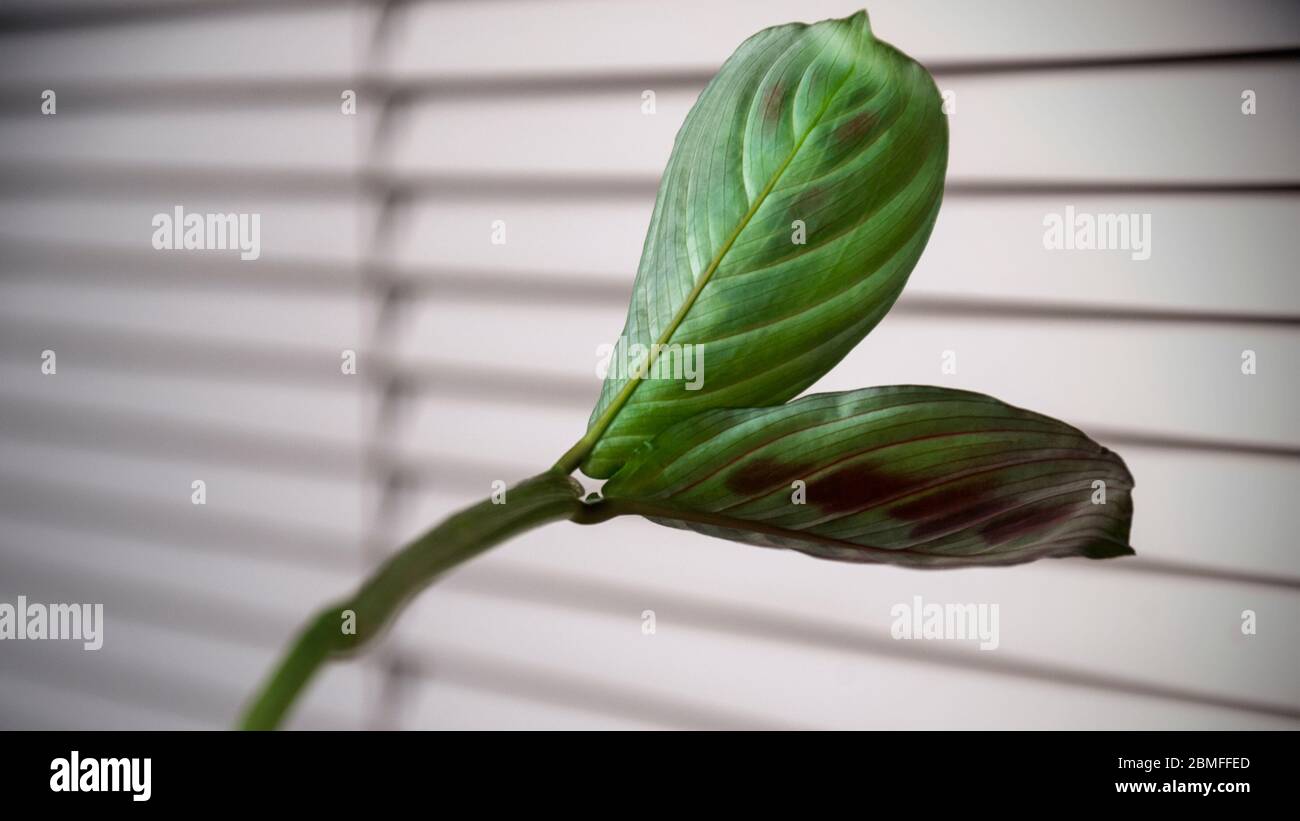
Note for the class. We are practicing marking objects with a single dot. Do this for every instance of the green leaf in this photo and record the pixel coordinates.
(907, 475)
(819, 123)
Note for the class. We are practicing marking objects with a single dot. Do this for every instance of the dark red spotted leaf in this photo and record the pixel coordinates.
(908, 475)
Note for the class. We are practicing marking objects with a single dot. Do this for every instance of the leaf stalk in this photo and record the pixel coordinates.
(347, 626)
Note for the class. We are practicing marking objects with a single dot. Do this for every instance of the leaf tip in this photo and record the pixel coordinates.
(1107, 549)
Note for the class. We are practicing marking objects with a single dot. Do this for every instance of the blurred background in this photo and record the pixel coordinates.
(476, 362)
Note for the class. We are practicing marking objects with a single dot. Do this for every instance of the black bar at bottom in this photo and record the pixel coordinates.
(439, 771)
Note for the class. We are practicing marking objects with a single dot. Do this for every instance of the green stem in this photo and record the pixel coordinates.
(552, 496)
(573, 457)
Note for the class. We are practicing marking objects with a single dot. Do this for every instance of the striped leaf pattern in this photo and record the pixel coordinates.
(917, 476)
(800, 192)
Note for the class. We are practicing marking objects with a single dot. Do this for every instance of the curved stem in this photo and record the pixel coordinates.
(348, 625)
